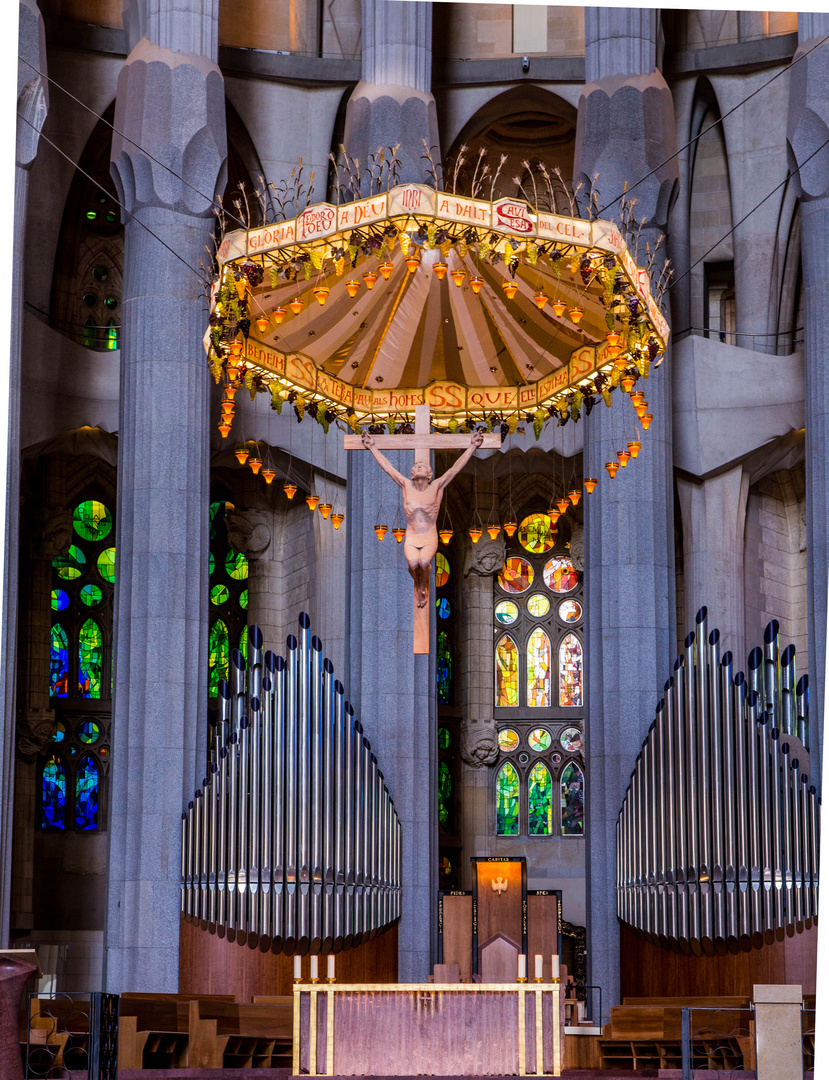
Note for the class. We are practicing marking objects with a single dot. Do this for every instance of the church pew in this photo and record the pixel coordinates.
(233, 1035)
(153, 1032)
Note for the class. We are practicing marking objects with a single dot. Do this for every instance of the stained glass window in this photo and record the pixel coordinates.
(570, 671)
(442, 570)
(444, 794)
(236, 565)
(537, 533)
(92, 520)
(444, 669)
(59, 663)
(243, 643)
(106, 564)
(112, 335)
(53, 794)
(507, 740)
(71, 565)
(91, 595)
(538, 605)
(89, 338)
(219, 594)
(506, 612)
(90, 658)
(539, 740)
(243, 599)
(540, 801)
(86, 795)
(444, 607)
(506, 672)
(444, 738)
(560, 575)
(60, 732)
(89, 732)
(572, 800)
(569, 611)
(538, 670)
(571, 739)
(60, 600)
(219, 659)
(516, 576)
(506, 797)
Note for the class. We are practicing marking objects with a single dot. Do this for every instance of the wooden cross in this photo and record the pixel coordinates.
(422, 442)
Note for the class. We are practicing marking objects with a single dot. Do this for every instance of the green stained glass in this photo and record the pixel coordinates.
(538, 605)
(570, 663)
(243, 600)
(218, 663)
(106, 564)
(113, 334)
(89, 337)
(540, 801)
(507, 740)
(243, 643)
(572, 800)
(211, 563)
(60, 600)
(218, 510)
(445, 669)
(506, 672)
(537, 533)
(444, 738)
(92, 520)
(506, 798)
(236, 565)
(506, 612)
(219, 594)
(539, 740)
(442, 570)
(89, 732)
(516, 576)
(100, 273)
(53, 794)
(444, 795)
(90, 660)
(59, 663)
(91, 595)
(538, 670)
(71, 565)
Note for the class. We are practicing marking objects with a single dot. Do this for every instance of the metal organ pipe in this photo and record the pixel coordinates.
(293, 842)
(717, 837)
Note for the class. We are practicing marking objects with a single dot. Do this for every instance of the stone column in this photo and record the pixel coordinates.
(170, 101)
(393, 692)
(32, 104)
(808, 130)
(392, 105)
(625, 129)
(713, 524)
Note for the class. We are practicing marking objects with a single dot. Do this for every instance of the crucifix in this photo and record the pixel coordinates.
(422, 497)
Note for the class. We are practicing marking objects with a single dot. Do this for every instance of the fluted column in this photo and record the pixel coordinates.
(170, 101)
(392, 105)
(808, 131)
(32, 103)
(625, 129)
(393, 692)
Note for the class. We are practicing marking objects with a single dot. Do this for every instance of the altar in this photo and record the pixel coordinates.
(427, 1029)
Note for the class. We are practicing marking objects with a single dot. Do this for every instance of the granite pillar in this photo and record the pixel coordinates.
(625, 129)
(808, 132)
(170, 100)
(32, 104)
(393, 692)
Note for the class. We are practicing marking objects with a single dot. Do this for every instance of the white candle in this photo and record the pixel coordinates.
(298, 968)
(330, 967)
(539, 966)
(555, 966)
(314, 967)
(522, 966)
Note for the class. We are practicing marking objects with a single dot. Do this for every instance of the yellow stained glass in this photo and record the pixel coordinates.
(538, 670)
(442, 570)
(538, 605)
(507, 740)
(506, 672)
(570, 670)
(516, 576)
(559, 574)
(537, 533)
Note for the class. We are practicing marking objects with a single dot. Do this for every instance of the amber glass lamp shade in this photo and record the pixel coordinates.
(262, 324)
(412, 263)
(385, 269)
(576, 314)
(230, 392)
(381, 531)
(312, 501)
(224, 428)
(321, 295)
(477, 284)
(475, 534)
(236, 347)
(628, 383)
(612, 467)
(398, 533)
(297, 305)
(553, 514)
(337, 520)
(493, 531)
(510, 528)
(559, 307)
(352, 286)
(590, 483)
(440, 269)
(540, 299)
(228, 409)
(458, 277)
(268, 474)
(325, 510)
(510, 289)
(445, 535)
(637, 397)
(613, 339)
(255, 464)
(624, 457)
(563, 505)
(289, 489)
(278, 315)
(646, 420)
(369, 278)
(242, 454)
(635, 446)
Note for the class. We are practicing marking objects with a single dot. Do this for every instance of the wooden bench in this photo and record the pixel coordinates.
(255, 1036)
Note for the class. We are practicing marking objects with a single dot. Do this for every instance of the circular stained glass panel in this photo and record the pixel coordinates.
(71, 565)
(539, 740)
(507, 740)
(91, 595)
(106, 564)
(89, 732)
(569, 611)
(560, 575)
(60, 732)
(506, 612)
(442, 570)
(538, 605)
(444, 738)
(537, 533)
(444, 608)
(92, 520)
(60, 600)
(219, 594)
(445, 867)
(100, 273)
(236, 565)
(523, 758)
(104, 751)
(516, 576)
(571, 739)
(243, 600)
(555, 758)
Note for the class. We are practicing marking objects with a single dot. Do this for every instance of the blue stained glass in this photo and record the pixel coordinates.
(86, 796)
(59, 663)
(60, 600)
(53, 794)
(444, 669)
(444, 607)
(90, 659)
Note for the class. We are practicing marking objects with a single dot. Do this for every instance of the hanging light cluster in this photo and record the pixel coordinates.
(251, 456)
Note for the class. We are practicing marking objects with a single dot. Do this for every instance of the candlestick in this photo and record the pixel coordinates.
(556, 975)
(331, 967)
(522, 968)
(297, 969)
(315, 973)
(539, 968)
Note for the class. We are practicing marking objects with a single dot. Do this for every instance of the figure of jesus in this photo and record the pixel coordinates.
(422, 497)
